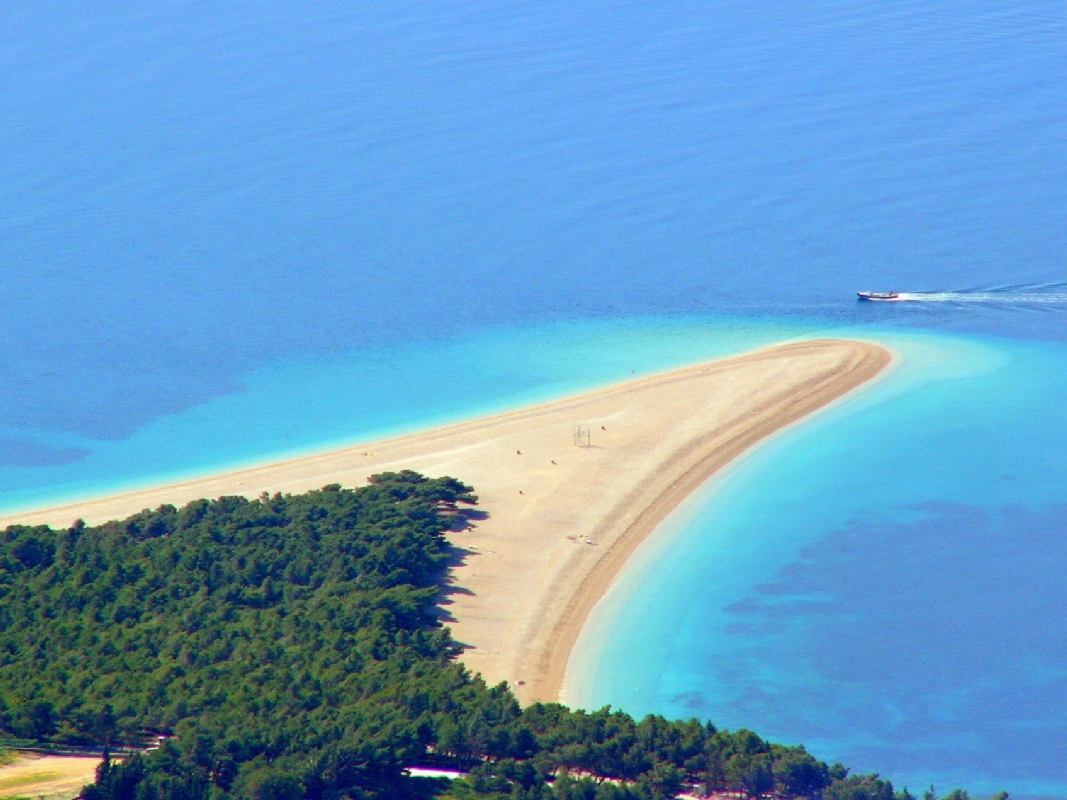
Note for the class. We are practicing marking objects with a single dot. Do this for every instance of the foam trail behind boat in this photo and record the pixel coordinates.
(1038, 294)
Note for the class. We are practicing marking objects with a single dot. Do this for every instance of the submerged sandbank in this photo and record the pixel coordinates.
(562, 515)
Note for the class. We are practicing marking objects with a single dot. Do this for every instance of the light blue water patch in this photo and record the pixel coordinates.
(302, 405)
(880, 583)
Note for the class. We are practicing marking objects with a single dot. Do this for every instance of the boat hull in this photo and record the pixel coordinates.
(878, 297)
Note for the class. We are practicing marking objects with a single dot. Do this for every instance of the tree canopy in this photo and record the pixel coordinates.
(290, 647)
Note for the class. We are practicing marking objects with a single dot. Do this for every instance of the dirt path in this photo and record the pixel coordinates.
(58, 777)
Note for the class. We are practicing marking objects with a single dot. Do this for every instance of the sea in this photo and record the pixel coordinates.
(238, 231)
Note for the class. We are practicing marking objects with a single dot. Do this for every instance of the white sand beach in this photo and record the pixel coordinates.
(561, 517)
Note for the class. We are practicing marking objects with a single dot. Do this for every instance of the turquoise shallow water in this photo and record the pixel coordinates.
(880, 582)
(301, 405)
(230, 232)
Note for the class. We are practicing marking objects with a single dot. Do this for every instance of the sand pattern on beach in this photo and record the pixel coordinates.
(559, 516)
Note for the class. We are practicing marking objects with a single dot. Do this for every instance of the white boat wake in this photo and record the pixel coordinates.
(1042, 294)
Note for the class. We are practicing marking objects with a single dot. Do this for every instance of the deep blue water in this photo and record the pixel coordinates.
(231, 231)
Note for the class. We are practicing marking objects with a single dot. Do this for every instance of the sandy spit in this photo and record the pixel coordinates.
(561, 518)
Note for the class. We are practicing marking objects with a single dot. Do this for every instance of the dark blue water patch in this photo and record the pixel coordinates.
(105, 390)
(847, 634)
(20, 453)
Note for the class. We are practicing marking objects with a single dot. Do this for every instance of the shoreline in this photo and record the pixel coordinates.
(713, 459)
(560, 521)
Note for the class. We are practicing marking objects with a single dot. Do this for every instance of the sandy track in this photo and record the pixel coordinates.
(46, 776)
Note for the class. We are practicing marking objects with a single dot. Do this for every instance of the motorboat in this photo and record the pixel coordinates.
(878, 296)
